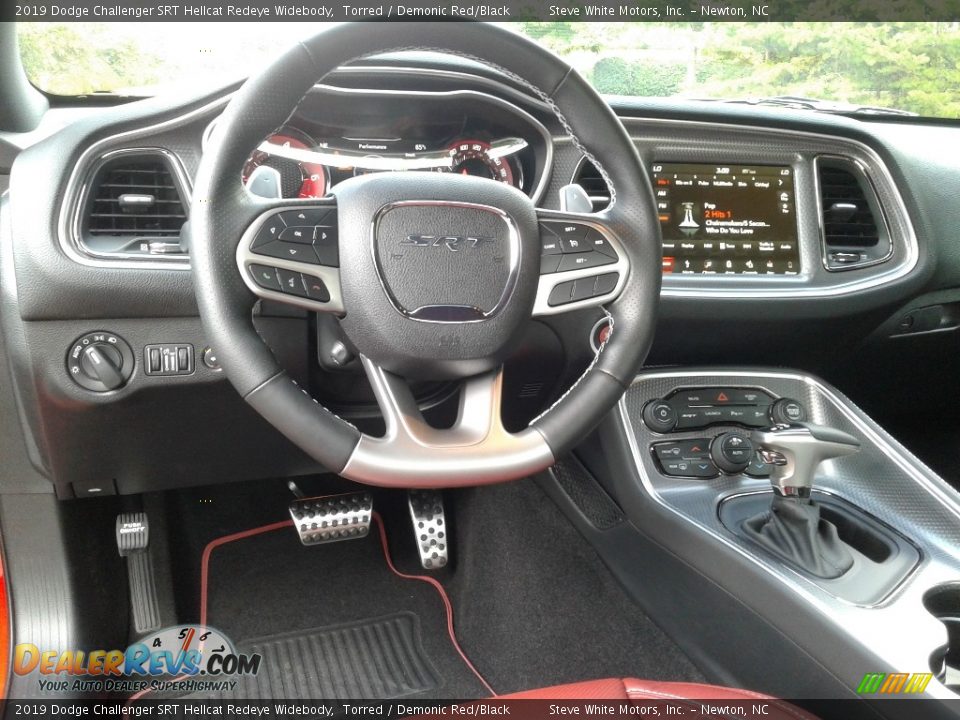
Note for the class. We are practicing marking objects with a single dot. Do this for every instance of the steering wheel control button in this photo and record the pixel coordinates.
(291, 283)
(786, 411)
(549, 243)
(265, 277)
(326, 246)
(301, 234)
(659, 416)
(310, 217)
(606, 283)
(566, 230)
(581, 260)
(562, 294)
(288, 251)
(598, 243)
(100, 361)
(315, 288)
(732, 452)
(270, 231)
(166, 360)
(549, 264)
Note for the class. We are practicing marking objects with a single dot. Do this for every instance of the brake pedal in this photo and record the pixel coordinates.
(133, 543)
(430, 526)
(332, 518)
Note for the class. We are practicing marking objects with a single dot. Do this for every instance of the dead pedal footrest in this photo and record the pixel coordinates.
(430, 527)
(332, 518)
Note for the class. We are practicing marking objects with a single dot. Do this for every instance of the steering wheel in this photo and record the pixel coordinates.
(433, 274)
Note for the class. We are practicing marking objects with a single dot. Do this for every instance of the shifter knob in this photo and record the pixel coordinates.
(795, 451)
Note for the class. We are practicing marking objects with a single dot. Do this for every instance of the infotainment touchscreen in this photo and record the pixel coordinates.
(727, 219)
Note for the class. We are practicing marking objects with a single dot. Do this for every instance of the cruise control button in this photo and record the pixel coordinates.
(600, 244)
(549, 264)
(326, 245)
(566, 230)
(298, 234)
(269, 232)
(265, 277)
(561, 294)
(574, 245)
(549, 242)
(291, 283)
(288, 251)
(306, 217)
(606, 283)
(578, 261)
(316, 290)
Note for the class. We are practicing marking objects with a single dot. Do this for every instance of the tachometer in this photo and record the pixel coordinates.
(473, 157)
(272, 176)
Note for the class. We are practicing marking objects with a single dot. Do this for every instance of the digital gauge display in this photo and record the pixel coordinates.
(727, 219)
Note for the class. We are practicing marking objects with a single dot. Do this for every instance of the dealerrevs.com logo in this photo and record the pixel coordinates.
(184, 652)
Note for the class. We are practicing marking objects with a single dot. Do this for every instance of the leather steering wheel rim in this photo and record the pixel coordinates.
(223, 210)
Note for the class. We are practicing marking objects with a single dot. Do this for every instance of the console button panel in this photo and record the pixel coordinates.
(696, 408)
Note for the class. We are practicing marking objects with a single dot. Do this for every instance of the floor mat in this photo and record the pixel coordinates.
(557, 615)
(316, 615)
(374, 659)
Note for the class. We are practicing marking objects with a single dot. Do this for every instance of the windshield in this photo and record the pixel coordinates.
(912, 67)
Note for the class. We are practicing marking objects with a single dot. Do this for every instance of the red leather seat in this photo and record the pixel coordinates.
(633, 689)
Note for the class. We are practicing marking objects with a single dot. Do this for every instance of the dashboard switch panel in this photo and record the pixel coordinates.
(176, 359)
(685, 458)
(695, 408)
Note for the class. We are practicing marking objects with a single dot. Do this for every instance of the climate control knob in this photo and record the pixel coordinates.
(731, 452)
(100, 361)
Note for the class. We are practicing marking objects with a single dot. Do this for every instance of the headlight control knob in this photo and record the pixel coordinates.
(100, 361)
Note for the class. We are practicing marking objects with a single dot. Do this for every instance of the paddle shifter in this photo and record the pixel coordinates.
(793, 528)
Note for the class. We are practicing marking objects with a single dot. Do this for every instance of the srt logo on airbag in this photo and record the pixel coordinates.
(454, 243)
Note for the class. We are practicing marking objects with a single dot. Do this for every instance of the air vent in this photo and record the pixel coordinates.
(135, 206)
(853, 231)
(589, 178)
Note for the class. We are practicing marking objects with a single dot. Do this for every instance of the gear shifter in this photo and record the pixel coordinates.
(793, 528)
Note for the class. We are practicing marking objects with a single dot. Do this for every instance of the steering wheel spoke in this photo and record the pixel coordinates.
(290, 254)
(476, 449)
(582, 263)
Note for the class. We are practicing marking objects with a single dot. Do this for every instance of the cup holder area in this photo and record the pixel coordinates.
(943, 602)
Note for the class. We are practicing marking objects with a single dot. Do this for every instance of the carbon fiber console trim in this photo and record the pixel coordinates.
(883, 479)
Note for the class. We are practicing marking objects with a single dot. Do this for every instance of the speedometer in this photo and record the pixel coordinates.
(473, 157)
(273, 176)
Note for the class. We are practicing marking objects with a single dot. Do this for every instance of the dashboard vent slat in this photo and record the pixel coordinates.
(858, 228)
(855, 233)
(111, 220)
(589, 178)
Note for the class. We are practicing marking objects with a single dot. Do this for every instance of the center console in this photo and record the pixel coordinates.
(709, 457)
(708, 447)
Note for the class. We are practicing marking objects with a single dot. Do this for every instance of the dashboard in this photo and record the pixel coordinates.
(336, 135)
(781, 228)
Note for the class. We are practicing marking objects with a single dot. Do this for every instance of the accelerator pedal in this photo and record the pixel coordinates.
(430, 527)
(133, 543)
(332, 518)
